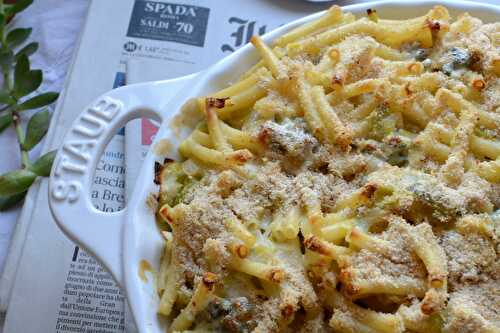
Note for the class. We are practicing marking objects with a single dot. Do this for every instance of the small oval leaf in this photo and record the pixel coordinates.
(39, 101)
(7, 202)
(43, 164)
(15, 182)
(5, 122)
(22, 67)
(18, 36)
(38, 126)
(27, 50)
(25, 81)
(33, 81)
(19, 6)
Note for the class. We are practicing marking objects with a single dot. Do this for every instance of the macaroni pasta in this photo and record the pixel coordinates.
(348, 182)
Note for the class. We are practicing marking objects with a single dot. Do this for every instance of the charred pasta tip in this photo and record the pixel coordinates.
(242, 251)
(415, 68)
(432, 303)
(240, 156)
(276, 275)
(368, 190)
(372, 15)
(478, 84)
(209, 280)
(287, 311)
(313, 243)
(433, 25)
(218, 103)
(165, 213)
(348, 288)
(337, 81)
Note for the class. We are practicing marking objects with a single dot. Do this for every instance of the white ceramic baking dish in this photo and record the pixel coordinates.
(122, 239)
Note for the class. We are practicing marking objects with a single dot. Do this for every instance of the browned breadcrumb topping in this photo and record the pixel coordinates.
(394, 228)
(474, 308)
(472, 258)
(396, 265)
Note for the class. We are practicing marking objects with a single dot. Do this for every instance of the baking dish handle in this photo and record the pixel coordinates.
(100, 233)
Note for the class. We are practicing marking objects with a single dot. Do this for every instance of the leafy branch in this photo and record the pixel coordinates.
(16, 96)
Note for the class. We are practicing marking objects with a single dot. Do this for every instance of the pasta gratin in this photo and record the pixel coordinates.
(348, 182)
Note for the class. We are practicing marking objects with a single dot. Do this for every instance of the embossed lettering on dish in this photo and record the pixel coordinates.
(76, 154)
(106, 108)
(80, 149)
(90, 131)
(62, 190)
(65, 164)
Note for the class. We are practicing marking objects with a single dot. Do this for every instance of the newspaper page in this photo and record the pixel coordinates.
(58, 287)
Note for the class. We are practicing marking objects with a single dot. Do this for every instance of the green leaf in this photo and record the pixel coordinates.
(22, 66)
(2, 23)
(18, 36)
(25, 80)
(15, 182)
(38, 126)
(19, 6)
(28, 50)
(5, 122)
(7, 202)
(43, 164)
(5, 98)
(28, 83)
(39, 101)
(6, 57)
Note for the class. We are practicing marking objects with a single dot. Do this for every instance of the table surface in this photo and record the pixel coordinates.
(56, 30)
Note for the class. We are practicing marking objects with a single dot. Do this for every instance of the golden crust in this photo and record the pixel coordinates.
(349, 182)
